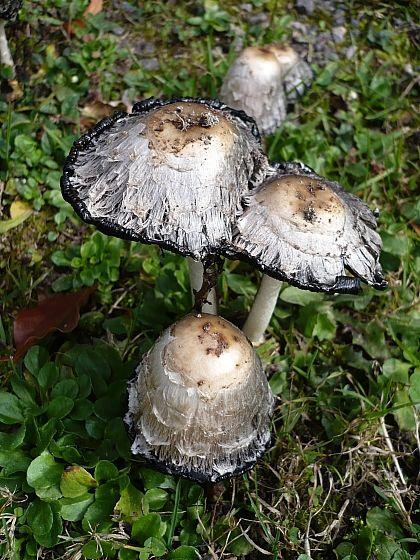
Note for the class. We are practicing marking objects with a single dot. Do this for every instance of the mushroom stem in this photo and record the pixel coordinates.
(5, 54)
(262, 309)
(196, 269)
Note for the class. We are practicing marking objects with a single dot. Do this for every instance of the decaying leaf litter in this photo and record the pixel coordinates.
(320, 352)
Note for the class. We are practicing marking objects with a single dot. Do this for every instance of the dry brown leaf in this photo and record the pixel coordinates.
(95, 6)
(57, 313)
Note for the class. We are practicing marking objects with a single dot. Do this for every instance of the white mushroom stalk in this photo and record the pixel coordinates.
(8, 11)
(262, 309)
(196, 270)
(5, 54)
(200, 405)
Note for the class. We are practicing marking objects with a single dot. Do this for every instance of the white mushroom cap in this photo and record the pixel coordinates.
(304, 229)
(253, 83)
(200, 405)
(296, 73)
(170, 173)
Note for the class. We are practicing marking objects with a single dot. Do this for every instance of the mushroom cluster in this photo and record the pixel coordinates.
(190, 175)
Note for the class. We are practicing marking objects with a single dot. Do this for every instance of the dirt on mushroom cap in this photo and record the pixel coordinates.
(172, 173)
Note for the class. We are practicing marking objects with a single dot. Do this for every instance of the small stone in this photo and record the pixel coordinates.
(350, 52)
(338, 33)
(339, 17)
(150, 63)
(305, 7)
(118, 31)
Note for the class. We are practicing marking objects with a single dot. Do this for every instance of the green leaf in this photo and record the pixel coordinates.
(23, 390)
(155, 479)
(46, 534)
(60, 407)
(44, 475)
(66, 388)
(99, 513)
(150, 525)
(324, 328)
(414, 390)
(364, 542)
(158, 547)
(35, 359)
(116, 431)
(384, 520)
(82, 409)
(188, 535)
(107, 408)
(10, 409)
(132, 505)
(5, 225)
(46, 432)
(183, 553)
(157, 498)
(95, 427)
(75, 481)
(48, 376)
(9, 442)
(40, 516)
(73, 509)
(13, 461)
(299, 297)
(105, 470)
(240, 546)
(403, 416)
(396, 370)
(92, 550)
(60, 258)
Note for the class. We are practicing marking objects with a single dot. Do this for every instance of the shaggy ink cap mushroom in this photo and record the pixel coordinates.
(171, 173)
(200, 405)
(8, 12)
(306, 230)
(254, 84)
(296, 74)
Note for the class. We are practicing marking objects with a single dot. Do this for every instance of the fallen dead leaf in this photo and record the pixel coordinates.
(56, 313)
(95, 6)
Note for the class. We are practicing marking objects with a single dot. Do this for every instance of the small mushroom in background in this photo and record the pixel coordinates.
(254, 84)
(8, 11)
(200, 405)
(170, 173)
(296, 74)
(306, 230)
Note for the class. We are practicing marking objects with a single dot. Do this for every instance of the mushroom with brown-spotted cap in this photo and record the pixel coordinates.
(171, 173)
(8, 11)
(306, 230)
(296, 74)
(200, 405)
(253, 83)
